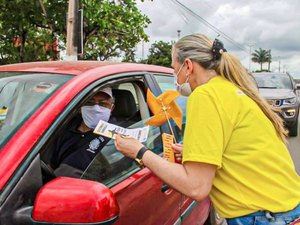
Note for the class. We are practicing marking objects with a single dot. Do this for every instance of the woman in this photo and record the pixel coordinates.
(234, 143)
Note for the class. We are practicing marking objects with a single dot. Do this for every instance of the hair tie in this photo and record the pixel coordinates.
(217, 49)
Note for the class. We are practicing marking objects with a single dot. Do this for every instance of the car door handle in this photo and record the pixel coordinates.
(165, 188)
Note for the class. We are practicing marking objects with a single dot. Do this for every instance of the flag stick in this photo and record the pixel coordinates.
(165, 111)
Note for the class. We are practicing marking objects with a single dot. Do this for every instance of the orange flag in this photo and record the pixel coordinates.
(164, 108)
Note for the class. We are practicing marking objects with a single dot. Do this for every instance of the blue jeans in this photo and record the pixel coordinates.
(266, 218)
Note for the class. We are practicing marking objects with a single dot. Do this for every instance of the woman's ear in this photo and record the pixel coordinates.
(189, 65)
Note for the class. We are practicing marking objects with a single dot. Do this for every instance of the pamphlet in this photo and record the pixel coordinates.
(110, 130)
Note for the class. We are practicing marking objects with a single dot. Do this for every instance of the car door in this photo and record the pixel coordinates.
(191, 212)
(142, 197)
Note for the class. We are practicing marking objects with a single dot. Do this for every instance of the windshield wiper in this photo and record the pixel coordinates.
(268, 87)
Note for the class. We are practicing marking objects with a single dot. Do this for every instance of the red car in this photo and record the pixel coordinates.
(37, 100)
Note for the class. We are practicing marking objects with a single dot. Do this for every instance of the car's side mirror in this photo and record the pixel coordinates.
(71, 201)
(297, 86)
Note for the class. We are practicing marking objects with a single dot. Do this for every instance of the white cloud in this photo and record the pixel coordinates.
(268, 24)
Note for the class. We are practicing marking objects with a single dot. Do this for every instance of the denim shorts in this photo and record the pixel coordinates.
(266, 218)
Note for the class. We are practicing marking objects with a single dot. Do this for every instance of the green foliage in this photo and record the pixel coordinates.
(129, 56)
(28, 28)
(25, 33)
(112, 28)
(262, 56)
(159, 54)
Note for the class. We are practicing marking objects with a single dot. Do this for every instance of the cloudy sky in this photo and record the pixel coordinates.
(243, 25)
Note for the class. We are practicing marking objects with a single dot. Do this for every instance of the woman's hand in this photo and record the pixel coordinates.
(177, 148)
(128, 146)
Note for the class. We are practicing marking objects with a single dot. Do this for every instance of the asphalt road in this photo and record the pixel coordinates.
(294, 148)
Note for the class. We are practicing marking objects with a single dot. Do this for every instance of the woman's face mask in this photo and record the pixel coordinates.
(185, 88)
(91, 115)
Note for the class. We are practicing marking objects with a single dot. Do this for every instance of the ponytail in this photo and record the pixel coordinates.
(213, 55)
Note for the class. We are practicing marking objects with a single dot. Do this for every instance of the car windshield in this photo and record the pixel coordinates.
(21, 94)
(273, 81)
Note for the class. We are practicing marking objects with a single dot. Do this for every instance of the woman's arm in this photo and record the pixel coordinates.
(193, 179)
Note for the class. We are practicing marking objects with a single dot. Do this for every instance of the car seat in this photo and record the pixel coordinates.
(125, 111)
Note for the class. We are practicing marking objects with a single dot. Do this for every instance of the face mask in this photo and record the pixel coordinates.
(185, 88)
(92, 114)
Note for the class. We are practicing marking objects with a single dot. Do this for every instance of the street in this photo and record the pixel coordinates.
(294, 143)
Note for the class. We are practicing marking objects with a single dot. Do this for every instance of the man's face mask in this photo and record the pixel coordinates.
(185, 88)
(91, 115)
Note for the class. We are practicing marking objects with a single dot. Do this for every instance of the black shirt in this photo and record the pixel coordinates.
(77, 149)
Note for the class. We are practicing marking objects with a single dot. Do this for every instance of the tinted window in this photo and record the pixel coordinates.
(21, 95)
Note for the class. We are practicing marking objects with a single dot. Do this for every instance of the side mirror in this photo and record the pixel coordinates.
(297, 86)
(71, 201)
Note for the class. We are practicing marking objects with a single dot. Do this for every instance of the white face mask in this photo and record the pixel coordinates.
(91, 115)
(185, 88)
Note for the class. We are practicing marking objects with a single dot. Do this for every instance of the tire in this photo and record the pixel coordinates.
(293, 130)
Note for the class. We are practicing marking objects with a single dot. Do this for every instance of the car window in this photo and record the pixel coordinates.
(110, 166)
(273, 81)
(167, 83)
(21, 95)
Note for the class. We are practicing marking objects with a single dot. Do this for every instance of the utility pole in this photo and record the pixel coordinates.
(279, 63)
(250, 52)
(72, 34)
(143, 49)
(284, 68)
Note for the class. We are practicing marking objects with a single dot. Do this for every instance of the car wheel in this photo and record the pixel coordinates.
(293, 130)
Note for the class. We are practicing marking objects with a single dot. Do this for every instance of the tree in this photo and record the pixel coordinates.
(111, 28)
(30, 28)
(261, 56)
(129, 56)
(159, 54)
(25, 34)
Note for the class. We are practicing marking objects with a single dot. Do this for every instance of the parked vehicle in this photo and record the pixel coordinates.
(38, 100)
(279, 89)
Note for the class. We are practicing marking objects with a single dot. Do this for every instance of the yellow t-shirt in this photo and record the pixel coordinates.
(254, 168)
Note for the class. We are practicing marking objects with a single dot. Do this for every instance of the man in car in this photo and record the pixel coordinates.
(78, 145)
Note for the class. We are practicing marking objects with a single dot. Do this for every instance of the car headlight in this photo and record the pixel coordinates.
(289, 101)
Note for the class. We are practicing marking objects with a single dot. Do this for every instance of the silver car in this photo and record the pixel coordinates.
(279, 89)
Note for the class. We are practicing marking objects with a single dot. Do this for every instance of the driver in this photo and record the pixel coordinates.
(78, 145)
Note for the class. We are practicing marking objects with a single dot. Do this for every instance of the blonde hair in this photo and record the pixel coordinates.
(198, 48)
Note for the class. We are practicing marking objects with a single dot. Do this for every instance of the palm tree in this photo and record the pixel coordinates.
(261, 56)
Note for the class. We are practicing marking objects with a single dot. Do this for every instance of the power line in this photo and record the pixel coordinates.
(205, 22)
(179, 10)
